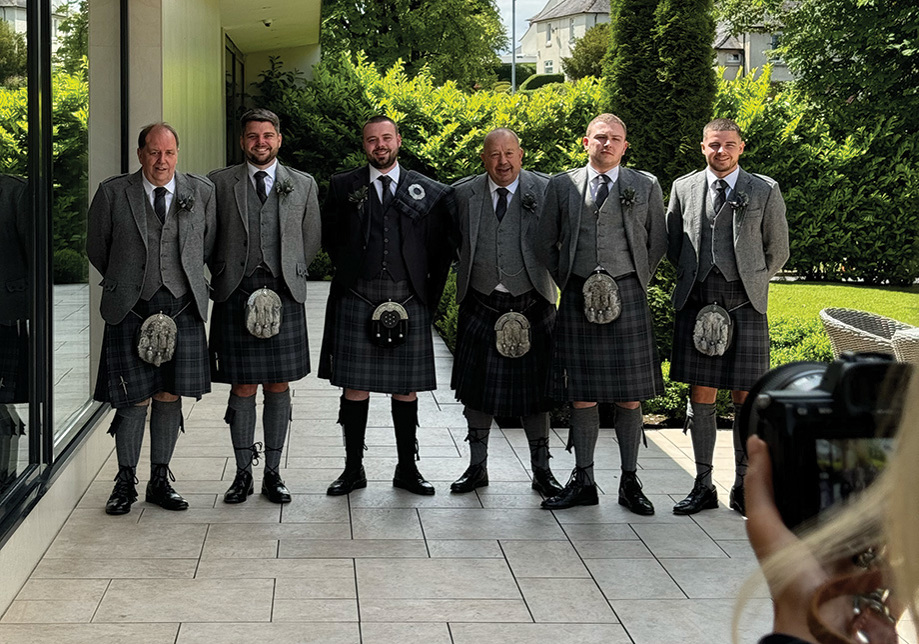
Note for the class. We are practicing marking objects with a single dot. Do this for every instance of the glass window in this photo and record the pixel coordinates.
(549, 67)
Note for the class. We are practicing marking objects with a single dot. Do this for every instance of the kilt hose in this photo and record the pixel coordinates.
(239, 358)
(125, 380)
(748, 356)
(485, 380)
(14, 361)
(605, 363)
(357, 363)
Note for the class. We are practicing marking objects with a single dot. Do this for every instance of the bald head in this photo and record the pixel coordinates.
(502, 156)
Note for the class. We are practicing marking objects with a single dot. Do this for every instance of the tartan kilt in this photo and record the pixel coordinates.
(748, 356)
(605, 363)
(237, 357)
(124, 379)
(489, 382)
(14, 361)
(357, 363)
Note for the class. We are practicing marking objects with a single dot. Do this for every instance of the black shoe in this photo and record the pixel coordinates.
(631, 496)
(348, 481)
(545, 483)
(412, 482)
(737, 499)
(122, 497)
(273, 488)
(576, 492)
(160, 492)
(474, 476)
(701, 498)
(241, 489)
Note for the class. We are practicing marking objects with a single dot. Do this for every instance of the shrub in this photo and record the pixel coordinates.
(445, 318)
(541, 80)
(321, 267)
(69, 267)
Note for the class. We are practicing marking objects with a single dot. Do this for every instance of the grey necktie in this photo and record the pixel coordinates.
(260, 189)
(602, 191)
(721, 187)
(501, 207)
(387, 193)
(159, 203)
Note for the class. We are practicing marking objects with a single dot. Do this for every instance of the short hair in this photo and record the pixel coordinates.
(722, 125)
(261, 115)
(609, 119)
(500, 131)
(379, 118)
(142, 137)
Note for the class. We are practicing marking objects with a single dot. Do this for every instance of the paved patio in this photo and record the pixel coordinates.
(385, 566)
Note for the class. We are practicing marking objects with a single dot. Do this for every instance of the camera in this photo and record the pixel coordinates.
(829, 427)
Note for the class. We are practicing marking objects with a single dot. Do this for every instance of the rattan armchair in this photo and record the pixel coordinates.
(861, 332)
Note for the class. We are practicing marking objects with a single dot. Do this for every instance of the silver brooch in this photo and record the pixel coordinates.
(416, 192)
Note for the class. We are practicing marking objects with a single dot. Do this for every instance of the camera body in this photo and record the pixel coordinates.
(830, 428)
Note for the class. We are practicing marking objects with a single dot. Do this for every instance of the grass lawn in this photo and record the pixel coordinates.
(804, 300)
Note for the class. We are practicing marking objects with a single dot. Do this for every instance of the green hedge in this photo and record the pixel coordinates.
(541, 80)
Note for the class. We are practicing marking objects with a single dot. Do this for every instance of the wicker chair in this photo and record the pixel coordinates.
(860, 331)
(906, 345)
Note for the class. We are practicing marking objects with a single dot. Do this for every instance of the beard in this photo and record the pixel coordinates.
(386, 162)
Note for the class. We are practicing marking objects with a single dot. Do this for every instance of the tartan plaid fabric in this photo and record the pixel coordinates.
(357, 363)
(14, 361)
(748, 357)
(615, 362)
(124, 379)
(238, 357)
(487, 381)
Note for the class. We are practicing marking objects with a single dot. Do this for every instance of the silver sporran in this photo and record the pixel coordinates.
(263, 313)
(602, 303)
(713, 331)
(389, 325)
(512, 335)
(157, 341)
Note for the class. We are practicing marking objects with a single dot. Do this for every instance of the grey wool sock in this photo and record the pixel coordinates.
(536, 427)
(128, 429)
(740, 449)
(583, 433)
(240, 417)
(276, 422)
(628, 434)
(165, 424)
(479, 427)
(704, 432)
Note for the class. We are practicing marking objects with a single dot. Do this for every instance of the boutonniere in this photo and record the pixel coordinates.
(186, 202)
(627, 197)
(528, 202)
(740, 202)
(284, 188)
(359, 196)
(416, 192)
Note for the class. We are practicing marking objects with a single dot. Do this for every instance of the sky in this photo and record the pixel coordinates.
(525, 9)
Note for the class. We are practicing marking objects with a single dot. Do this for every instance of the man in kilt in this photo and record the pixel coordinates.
(499, 274)
(602, 235)
(727, 238)
(150, 234)
(388, 232)
(268, 231)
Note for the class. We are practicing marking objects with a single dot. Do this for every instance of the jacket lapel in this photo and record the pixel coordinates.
(137, 199)
(742, 186)
(695, 209)
(476, 204)
(182, 218)
(280, 176)
(361, 179)
(242, 198)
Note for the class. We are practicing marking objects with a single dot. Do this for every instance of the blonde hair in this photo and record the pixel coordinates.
(887, 512)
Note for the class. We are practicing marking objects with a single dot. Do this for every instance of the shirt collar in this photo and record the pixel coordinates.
(149, 187)
(393, 174)
(271, 171)
(512, 188)
(710, 178)
(593, 173)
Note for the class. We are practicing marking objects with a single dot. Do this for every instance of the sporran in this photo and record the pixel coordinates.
(713, 331)
(389, 325)
(263, 313)
(602, 303)
(512, 335)
(156, 343)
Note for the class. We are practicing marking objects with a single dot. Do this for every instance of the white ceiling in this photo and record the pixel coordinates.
(293, 23)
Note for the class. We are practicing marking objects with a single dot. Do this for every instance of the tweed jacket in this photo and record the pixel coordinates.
(473, 201)
(560, 221)
(117, 238)
(15, 236)
(298, 210)
(760, 233)
(427, 212)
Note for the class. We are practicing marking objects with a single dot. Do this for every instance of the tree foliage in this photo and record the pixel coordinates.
(455, 39)
(587, 53)
(73, 44)
(12, 54)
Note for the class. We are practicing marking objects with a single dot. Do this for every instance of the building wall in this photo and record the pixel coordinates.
(302, 58)
(755, 48)
(564, 32)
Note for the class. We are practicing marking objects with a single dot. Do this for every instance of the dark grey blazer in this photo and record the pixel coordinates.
(760, 233)
(299, 224)
(472, 196)
(117, 238)
(560, 221)
(15, 236)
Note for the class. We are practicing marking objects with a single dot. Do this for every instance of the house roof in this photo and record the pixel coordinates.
(724, 39)
(571, 8)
